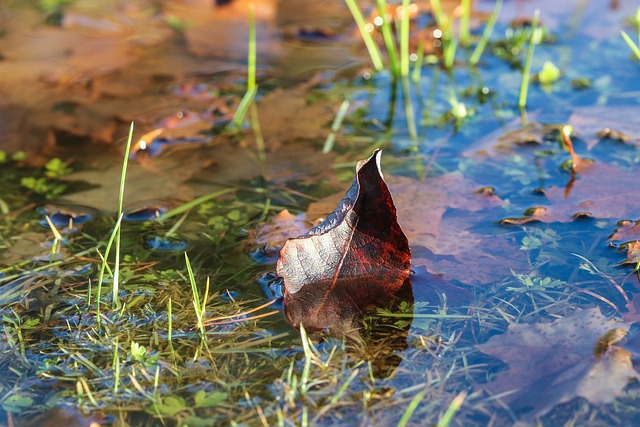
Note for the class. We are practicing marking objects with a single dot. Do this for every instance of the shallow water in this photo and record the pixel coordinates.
(465, 191)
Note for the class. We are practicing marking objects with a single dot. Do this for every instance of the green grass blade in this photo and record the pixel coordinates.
(170, 325)
(371, 45)
(453, 408)
(335, 126)
(123, 177)
(486, 34)
(413, 405)
(336, 397)
(450, 53)
(243, 107)
(387, 36)
(104, 266)
(465, 33)
(634, 48)
(196, 295)
(526, 72)
(417, 69)
(308, 357)
(404, 39)
(252, 88)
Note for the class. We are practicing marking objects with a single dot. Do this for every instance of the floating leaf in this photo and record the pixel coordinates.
(357, 257)
(553, 363)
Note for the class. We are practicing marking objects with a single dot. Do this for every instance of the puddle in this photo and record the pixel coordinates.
(510, 232)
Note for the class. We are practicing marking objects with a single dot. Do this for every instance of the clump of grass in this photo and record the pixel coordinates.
(200, 308)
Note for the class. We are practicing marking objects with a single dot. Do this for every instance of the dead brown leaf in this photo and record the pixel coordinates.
(553, 363)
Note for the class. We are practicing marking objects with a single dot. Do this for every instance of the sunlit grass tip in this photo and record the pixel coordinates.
(252, 88)
(634, 47)
(526, 71)
(372, 47)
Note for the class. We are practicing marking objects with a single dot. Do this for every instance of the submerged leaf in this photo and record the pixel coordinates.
(575, 356)
(598, 190)
(357, 257)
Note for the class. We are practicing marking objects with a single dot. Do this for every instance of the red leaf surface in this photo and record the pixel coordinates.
(355, 258)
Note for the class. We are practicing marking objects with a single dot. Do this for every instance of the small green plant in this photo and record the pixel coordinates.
(48, 185)
(138, 352)
(43, 186)
(549, 73)
(200, 308)
(56, 168)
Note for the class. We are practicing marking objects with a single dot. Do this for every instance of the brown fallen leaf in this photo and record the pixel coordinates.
(355, 258)
(575, 356)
